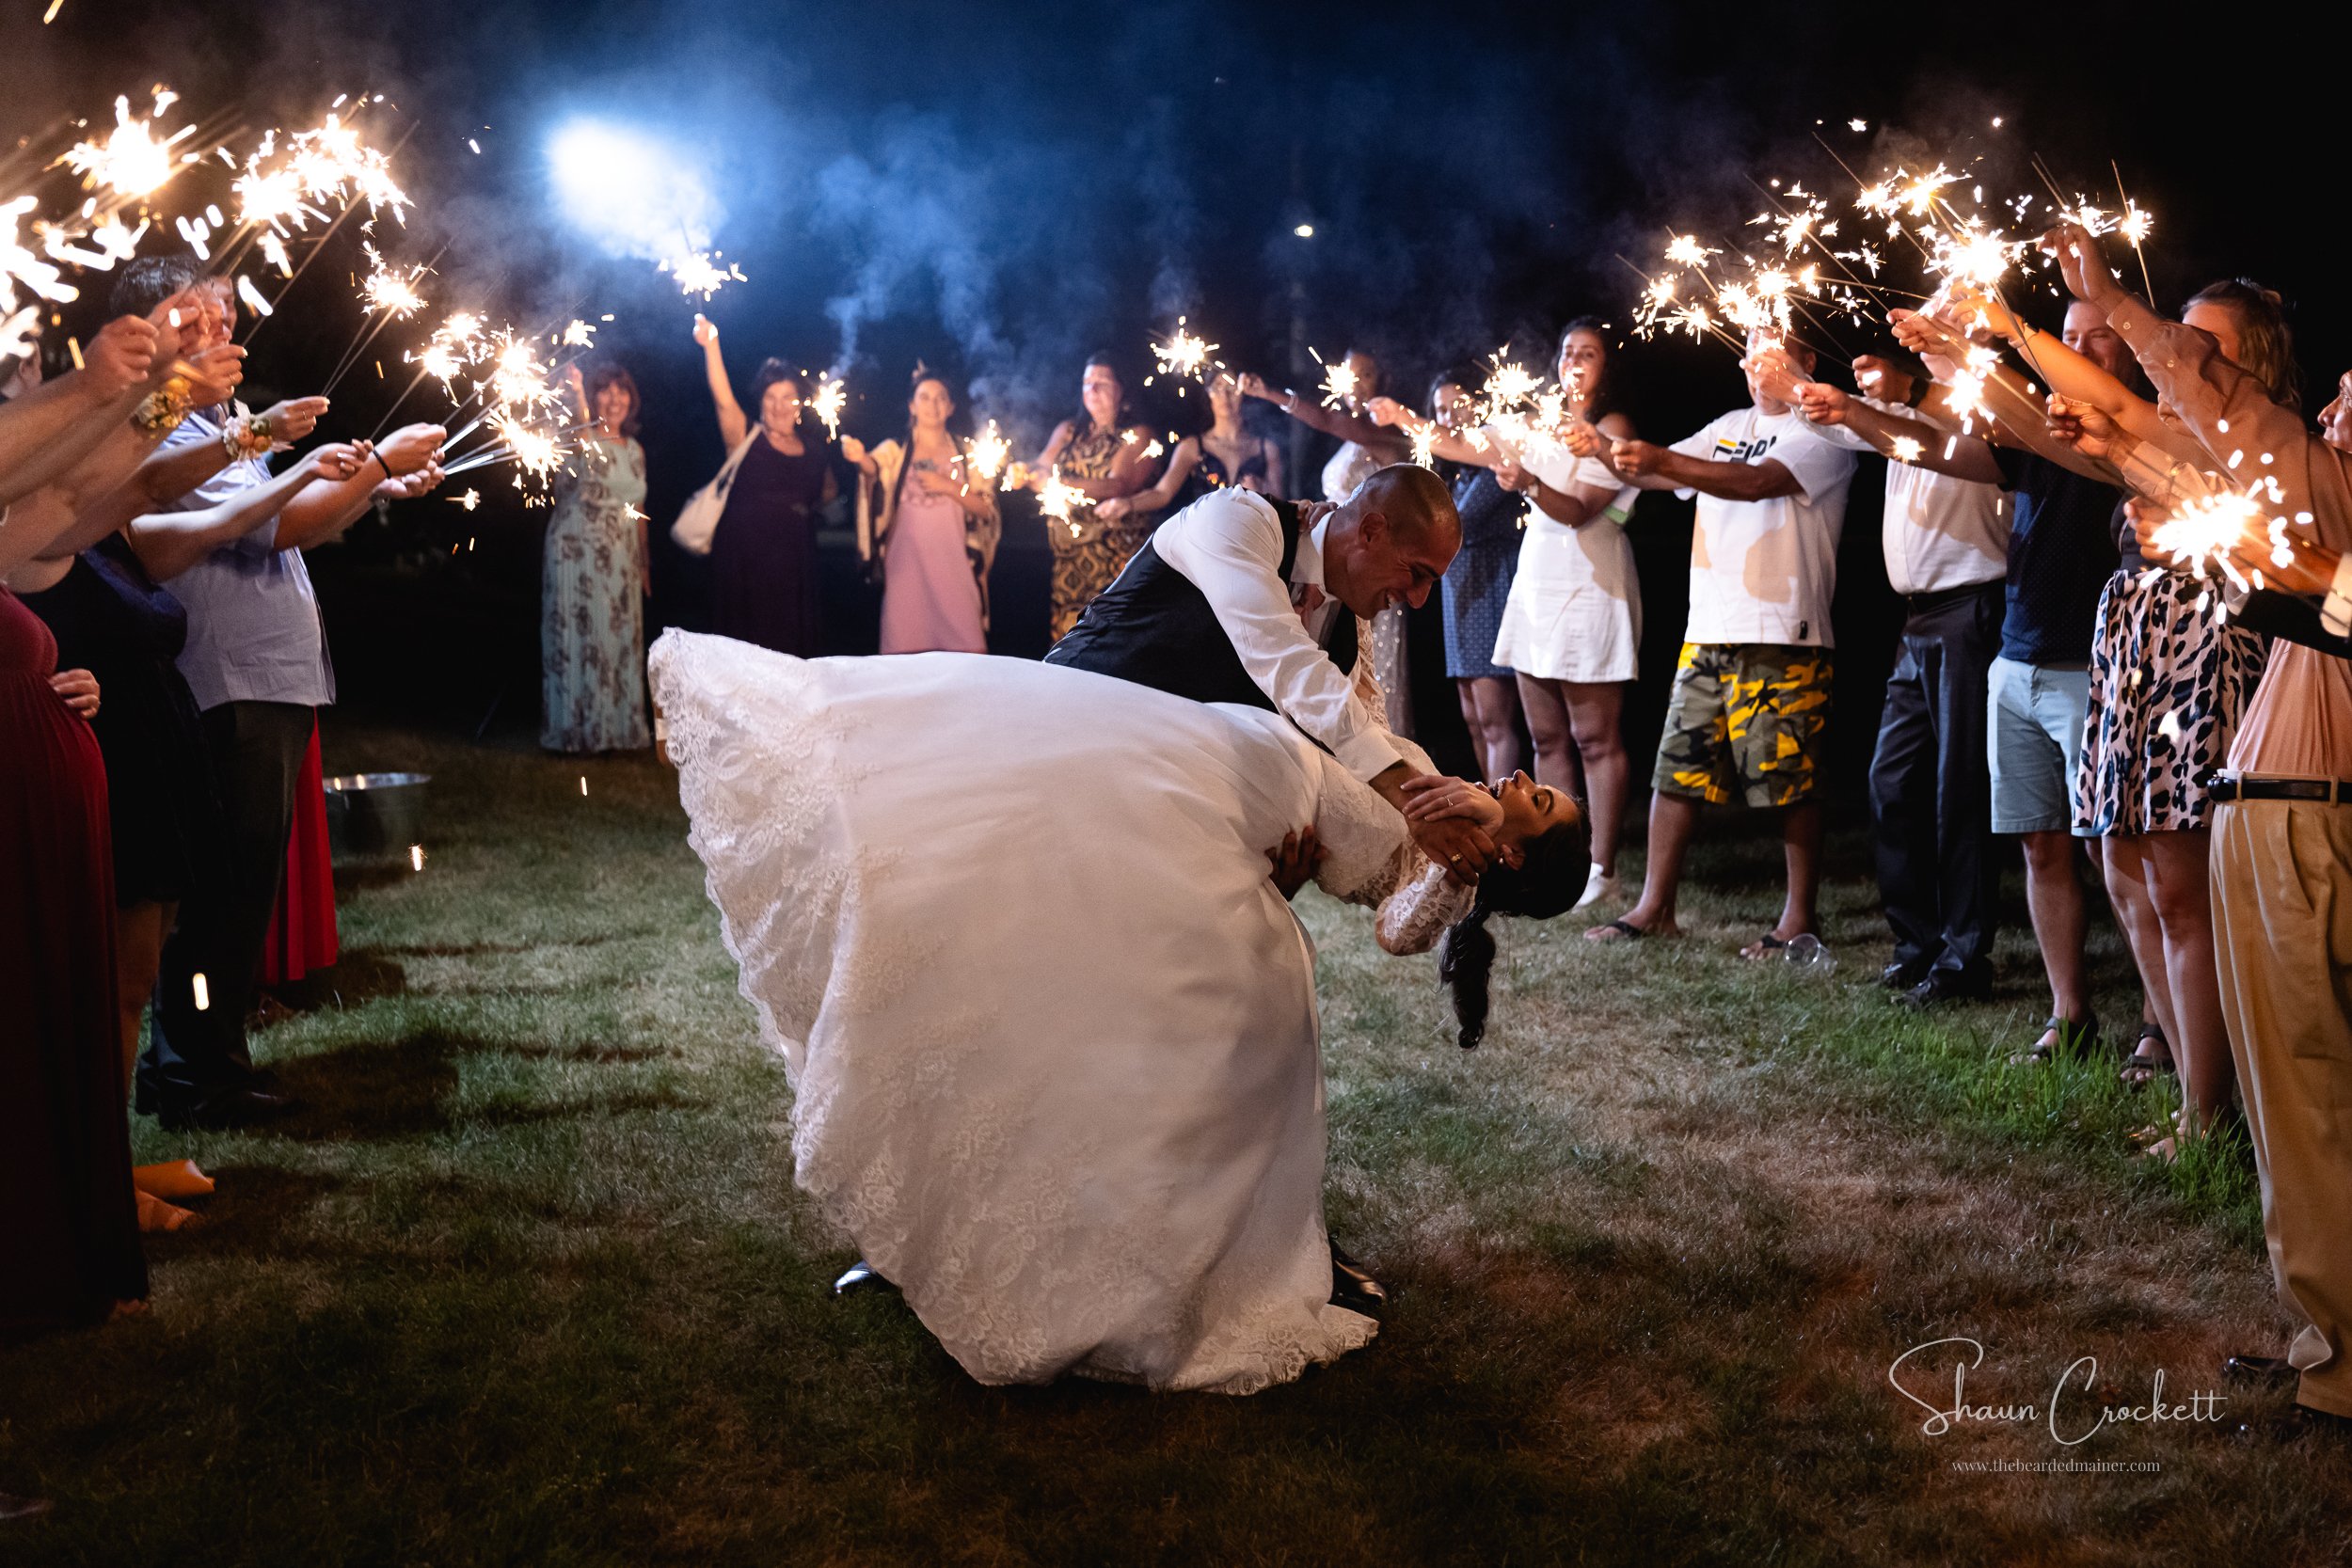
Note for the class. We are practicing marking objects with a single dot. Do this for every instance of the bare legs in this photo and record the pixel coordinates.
(1491, 708)
(1576, 728)
(1673, 820)
(2181, 884)
(2054, 897)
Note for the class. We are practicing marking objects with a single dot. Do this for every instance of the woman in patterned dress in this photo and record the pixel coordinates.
(592, 634)
(1098, 456)
(2169, 680)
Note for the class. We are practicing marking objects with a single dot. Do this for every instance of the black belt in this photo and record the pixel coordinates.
(1920, 603)
(2334, 792)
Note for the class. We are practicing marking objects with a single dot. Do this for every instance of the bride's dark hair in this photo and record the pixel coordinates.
(1557, 863)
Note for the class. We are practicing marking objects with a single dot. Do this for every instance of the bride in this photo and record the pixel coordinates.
(1050, 1023)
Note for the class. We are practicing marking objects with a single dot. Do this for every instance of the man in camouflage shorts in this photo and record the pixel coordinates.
(1745, 724)
(1750, 711)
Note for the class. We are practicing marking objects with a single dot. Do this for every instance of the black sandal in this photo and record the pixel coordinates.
(1626, 931)
(2141, 1067)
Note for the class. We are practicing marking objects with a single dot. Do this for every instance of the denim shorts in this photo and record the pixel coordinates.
(2033, 738)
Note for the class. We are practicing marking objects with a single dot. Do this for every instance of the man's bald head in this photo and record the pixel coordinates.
(1391, 541)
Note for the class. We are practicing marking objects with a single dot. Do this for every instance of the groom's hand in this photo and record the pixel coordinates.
(1294, 860)
(1462, 847)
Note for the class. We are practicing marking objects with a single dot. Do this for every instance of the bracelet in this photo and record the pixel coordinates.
(1918, 393)
(2335, 610)
(377, 458)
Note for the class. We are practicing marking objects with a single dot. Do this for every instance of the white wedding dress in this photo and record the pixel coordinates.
(1050, 1026)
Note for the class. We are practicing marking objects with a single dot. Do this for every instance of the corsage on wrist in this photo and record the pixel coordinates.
(161, 411)
(248, 436)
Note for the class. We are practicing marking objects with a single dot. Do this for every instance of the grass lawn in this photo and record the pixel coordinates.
(529, 1281)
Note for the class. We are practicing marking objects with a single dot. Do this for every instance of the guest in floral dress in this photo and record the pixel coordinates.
(1099, 457)
(592, 634)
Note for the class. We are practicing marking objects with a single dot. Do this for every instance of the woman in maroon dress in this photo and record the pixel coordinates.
(763, 556)
(68, 1230)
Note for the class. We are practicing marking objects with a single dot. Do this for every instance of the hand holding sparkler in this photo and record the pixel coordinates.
(1252, 385)
(855, 451)
(1388, 411)
(409, 450)
(290, 420)
(1972, 308)
(1513, 477)
(1927, 337)
(1823, 404)
(1635, 459)
(213, 375)
(1774, 374)
(1583, 438)
(705, 331)
(121, 356)
(1876, 377)
(2087, 428)
(2081, 264)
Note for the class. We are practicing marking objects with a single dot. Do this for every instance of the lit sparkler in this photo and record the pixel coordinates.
(131, 163)
(697, 272)
(986, 456)
(831, 397)
(1183, 353)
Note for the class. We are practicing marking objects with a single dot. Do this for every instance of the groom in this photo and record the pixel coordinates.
(1242, 598)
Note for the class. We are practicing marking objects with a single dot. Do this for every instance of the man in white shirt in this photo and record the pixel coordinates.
(1748, 720)
(1242, 598)
(1947, 544)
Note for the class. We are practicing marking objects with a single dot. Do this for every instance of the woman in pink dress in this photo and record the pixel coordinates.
(932, 525)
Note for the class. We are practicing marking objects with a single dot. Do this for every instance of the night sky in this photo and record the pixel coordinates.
(1002, 189)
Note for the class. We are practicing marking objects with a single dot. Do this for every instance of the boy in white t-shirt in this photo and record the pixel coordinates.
(1748, 720)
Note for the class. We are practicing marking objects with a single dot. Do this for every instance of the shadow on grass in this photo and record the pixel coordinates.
(399, 1090)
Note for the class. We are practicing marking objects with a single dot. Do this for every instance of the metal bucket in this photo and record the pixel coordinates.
(375, 814)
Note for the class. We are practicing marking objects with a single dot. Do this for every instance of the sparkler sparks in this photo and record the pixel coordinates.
(1183, 353)
(1339, 383)
(830, 398)
(697, 272)
(987, 455)
(131, 163)
(1058, 499)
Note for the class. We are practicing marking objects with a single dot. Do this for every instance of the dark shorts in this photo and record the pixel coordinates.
(1747, 722)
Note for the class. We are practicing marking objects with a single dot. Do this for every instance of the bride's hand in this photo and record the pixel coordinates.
(1433, 796)
(1295, 861)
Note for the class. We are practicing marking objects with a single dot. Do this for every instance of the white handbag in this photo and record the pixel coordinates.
(698, 519)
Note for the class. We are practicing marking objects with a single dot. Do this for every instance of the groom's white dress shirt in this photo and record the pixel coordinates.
(1228, 544)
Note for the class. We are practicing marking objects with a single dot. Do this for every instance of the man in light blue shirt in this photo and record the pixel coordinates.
(256, 659)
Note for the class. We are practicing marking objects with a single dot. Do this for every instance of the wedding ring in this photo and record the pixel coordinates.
(1455, 859)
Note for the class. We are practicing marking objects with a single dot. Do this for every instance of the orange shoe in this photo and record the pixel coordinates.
(172, 1178)
(155, 1214)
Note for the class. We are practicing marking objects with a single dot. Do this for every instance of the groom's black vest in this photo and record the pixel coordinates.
(1153, 628)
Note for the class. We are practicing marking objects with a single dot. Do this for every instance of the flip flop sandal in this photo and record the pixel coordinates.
(1763, 947)
(1624, 932)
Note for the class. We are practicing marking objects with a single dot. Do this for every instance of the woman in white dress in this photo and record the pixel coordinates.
(1572, 625)
(1050, 1024)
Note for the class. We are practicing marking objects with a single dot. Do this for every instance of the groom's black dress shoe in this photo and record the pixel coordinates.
(861, 1275)
(1353, 1287)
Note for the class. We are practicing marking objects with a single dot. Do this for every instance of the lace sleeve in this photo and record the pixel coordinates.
(1368, 851)
(1413, 915)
